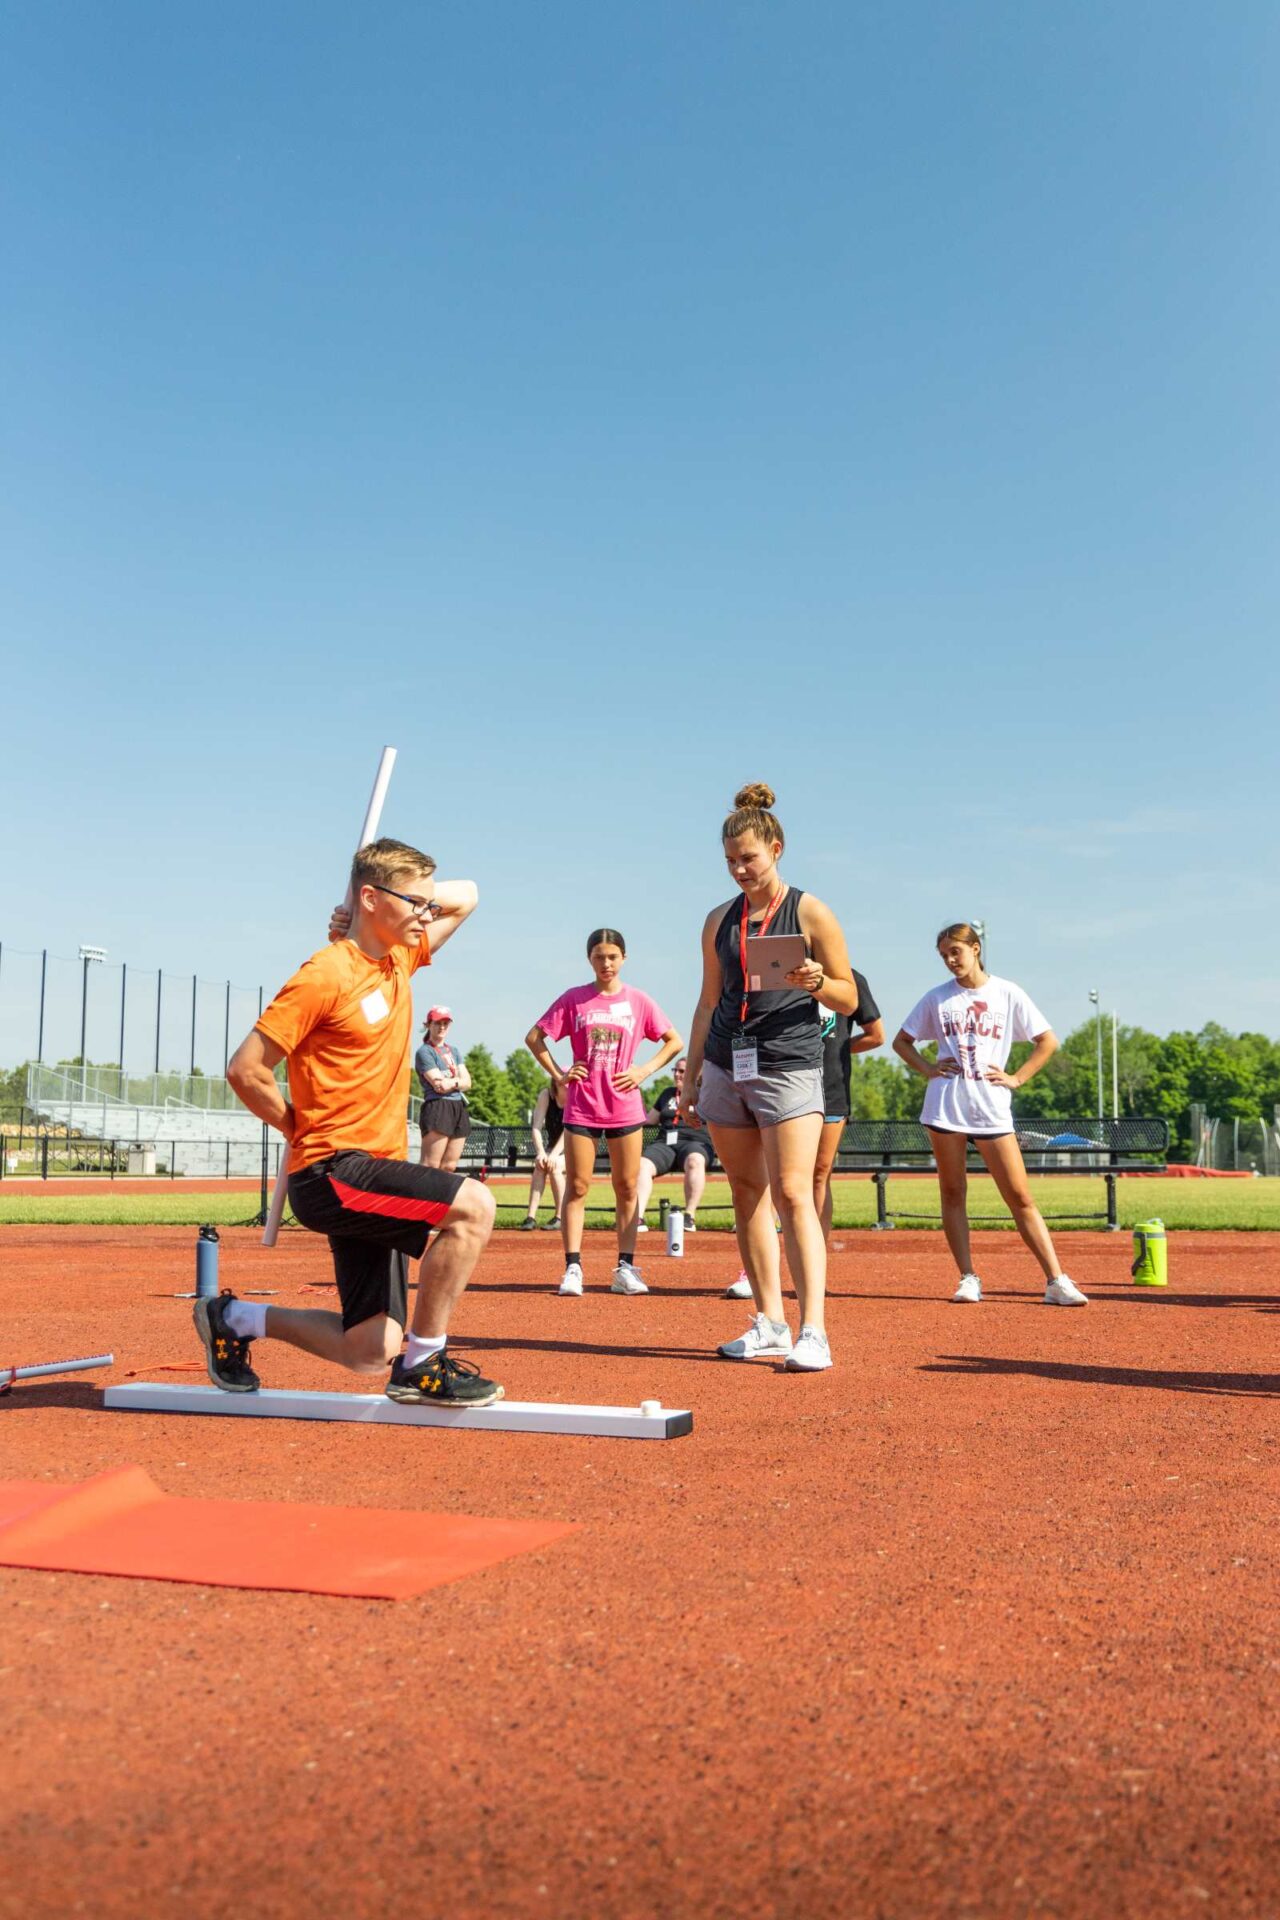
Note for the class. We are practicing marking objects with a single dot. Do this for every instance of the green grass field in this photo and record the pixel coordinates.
(1184, 1204)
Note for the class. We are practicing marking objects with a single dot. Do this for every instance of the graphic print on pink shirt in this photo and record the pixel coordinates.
(605, 1031)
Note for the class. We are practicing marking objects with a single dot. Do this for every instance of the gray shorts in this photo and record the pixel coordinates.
(781, 1095)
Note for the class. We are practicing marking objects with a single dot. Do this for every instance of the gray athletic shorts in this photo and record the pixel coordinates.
(766, 1102)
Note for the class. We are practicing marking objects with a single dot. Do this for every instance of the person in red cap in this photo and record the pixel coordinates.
(443, 1117)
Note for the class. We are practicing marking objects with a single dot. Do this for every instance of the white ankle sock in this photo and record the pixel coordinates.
(247, 1319)
(418, 1348)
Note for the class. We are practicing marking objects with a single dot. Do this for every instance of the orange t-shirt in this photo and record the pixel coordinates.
(345, 1022)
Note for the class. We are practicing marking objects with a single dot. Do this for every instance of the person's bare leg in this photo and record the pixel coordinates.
(624, 1166)
(451, 1257)
(580, 1164)
(949, 1151)
(644, 1187)
(789, 1152)
(433, 1146)
(369, 1347)
(452, 1154)
(695, 1180)
(537, 1181)
(1005, 1164)
(557, 1177)
(827, 1148)
(739, 1152)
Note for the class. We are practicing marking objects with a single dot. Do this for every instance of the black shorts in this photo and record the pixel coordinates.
(377, 1215)
(663, 1157)
(604, 1133)
(449, 1117)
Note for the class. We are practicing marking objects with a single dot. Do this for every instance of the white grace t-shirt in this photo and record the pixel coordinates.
(976, 1026)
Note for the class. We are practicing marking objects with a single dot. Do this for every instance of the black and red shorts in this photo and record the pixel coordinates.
(377, 1215)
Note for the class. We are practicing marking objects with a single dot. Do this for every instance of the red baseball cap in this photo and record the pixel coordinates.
(438, 1013)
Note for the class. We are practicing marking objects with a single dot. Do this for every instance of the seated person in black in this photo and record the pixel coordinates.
(679, 1148)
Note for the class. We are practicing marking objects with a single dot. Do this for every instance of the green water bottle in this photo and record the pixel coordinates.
(1150, 1255)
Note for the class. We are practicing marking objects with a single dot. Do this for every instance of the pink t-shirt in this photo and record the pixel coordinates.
(605, 1030)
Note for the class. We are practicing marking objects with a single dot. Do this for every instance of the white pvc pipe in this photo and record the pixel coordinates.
(368, 832)
(9, 1374)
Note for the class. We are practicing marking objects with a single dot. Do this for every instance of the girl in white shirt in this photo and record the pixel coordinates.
(975, 1017)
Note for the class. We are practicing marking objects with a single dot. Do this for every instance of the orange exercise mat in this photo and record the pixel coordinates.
(122, 1523)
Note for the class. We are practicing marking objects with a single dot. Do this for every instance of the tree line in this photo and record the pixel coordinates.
(1234, 1075)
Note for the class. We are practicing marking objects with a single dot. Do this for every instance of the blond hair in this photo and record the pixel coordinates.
(753, 813)
(383, 862)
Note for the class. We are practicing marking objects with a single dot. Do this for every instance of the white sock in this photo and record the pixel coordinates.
(247, 1319)
(420, 1347)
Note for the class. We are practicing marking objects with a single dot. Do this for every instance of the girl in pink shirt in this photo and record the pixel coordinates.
(600, 1093)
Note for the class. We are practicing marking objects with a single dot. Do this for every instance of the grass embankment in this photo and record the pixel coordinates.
(1181, 1204)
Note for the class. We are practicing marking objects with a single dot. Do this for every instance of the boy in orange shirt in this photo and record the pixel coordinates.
(343, 1022)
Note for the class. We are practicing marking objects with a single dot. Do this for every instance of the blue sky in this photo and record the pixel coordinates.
(611, 405)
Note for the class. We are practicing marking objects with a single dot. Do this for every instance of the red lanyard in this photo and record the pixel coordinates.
(769, 912)
(446, 1053)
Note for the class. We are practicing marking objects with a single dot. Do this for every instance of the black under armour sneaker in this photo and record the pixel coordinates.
(226, 1355)
(442, 1381)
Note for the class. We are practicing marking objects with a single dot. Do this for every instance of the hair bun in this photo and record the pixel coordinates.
(758, 796)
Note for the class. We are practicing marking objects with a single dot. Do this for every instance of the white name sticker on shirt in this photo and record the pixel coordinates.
(374, 1006)
(745, 1063)
(673, 1134)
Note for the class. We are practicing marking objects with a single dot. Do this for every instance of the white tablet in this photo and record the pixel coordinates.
(770, 958)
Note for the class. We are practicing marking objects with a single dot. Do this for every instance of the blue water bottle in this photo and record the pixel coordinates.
(207, 1264)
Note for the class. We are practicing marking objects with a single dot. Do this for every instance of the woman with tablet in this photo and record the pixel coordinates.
(772, 959)
(975, 1017)
(600, 1093)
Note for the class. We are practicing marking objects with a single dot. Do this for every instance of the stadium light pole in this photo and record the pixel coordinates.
(89, 956)
(1097, 1021)
(1115, 1064)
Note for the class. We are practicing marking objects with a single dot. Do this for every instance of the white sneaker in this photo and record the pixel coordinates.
(811, 1352)
(761, 1340)
(642, 1226)
(969, 1292)
(740, 1289)
(572, 1282)
(690, 1224)
(626, 1279)
(1064, 1293)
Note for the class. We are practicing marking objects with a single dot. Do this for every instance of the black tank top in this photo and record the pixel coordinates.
(555, 1121)
(786, 1026)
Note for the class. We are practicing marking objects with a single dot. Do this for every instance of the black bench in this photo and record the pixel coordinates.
(510, 1149)
(1105, 1147)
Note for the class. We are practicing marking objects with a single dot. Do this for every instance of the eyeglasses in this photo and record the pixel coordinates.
(422, 909)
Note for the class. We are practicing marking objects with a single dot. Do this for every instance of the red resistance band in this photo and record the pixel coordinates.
(769, 912)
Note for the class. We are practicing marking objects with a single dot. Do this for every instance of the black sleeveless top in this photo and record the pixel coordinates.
(786, 1026)
(554, 1125)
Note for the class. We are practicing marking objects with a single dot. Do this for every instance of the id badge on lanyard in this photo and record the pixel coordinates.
(746, 1064)
(746, 1059)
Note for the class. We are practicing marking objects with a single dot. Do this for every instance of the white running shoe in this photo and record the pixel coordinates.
(969, 1292)
(1064, 1293)
(690, 1224)
(811, 1352)
(626, 1279)
(740, 1289)
(642, 1226)
(572, 1282)
(763, 1339)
